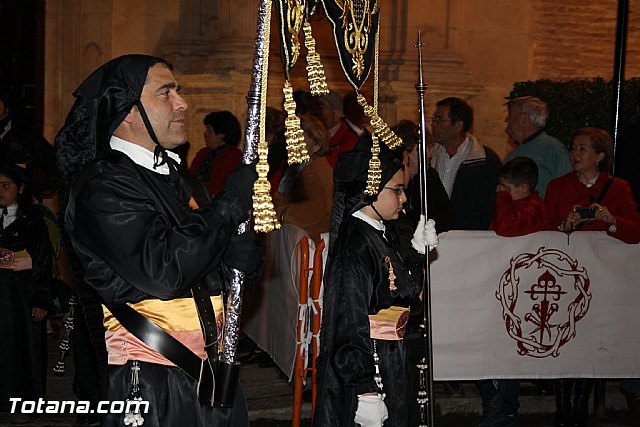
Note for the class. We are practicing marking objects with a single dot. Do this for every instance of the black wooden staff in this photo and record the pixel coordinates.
(425, 393)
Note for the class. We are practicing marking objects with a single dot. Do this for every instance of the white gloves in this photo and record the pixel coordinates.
(425, 235)
(371, 411)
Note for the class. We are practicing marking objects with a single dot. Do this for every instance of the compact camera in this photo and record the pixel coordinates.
(586, 213)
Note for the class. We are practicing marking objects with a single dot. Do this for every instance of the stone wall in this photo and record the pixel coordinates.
(474, 49)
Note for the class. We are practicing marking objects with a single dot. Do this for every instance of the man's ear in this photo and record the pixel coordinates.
(129, 117)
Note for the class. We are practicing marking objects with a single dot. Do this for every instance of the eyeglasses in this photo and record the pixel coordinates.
(398, 191)
(436, 120)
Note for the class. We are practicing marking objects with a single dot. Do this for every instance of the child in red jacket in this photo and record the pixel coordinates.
(519, 209)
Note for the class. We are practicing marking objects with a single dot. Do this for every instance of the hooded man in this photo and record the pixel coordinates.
(146, 247)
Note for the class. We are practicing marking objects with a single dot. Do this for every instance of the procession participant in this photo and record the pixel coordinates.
(362, 374)
(144, 244)
(25, 289)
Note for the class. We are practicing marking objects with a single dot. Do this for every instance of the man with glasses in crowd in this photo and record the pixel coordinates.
(468, 169)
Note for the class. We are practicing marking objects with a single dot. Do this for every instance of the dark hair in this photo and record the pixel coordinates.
(19, 177)
(351, 109)
(600, 142)
(315, 130)
(226, 123)
(520, 170)
(459, 110)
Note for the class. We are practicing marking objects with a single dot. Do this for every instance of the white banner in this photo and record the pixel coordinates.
(537, 306)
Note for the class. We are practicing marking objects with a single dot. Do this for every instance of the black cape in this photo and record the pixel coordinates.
(137, 239)
(356, 285)
(21, 370)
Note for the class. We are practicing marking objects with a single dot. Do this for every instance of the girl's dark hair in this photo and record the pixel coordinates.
(19, 177)
(226, 123)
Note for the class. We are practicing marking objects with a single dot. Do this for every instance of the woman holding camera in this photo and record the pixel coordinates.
(589, 198)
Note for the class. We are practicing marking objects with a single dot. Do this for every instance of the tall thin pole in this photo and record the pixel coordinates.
(426, 402)
(618, 69)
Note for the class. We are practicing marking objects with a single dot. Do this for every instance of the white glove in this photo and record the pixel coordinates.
(425, 235)
(371, 411)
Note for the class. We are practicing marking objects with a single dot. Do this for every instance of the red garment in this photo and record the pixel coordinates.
(517, 217)
(566, 191)
(345, 139)
(222, 164)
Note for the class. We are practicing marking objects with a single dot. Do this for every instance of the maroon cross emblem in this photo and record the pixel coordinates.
(548, 290)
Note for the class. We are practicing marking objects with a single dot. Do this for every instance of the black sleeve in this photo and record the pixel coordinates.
(41, 254)
(124, 240)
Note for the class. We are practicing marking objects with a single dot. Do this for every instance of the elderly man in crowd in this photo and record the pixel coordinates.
(526, 121)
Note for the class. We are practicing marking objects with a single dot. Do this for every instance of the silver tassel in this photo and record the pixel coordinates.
(132, 418)
(60, 369)
(378, 377)
(423, 395)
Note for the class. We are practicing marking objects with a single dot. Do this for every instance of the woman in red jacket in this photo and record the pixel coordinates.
(589, 198)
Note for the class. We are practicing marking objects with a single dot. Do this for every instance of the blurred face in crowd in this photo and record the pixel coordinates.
(515, 123)
(165, 108)
(517, 191)
(391, 198)
(445, 131)
(584, 158)
(413, 161)
(407, 168)
(211, 138)
(320, 109)
(8, 191)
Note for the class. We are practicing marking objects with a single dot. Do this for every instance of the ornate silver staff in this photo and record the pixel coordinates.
(425, 393)
(254, 146)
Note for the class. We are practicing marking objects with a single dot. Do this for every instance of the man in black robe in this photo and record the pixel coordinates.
(141, 239)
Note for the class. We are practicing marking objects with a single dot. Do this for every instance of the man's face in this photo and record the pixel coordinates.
(164, 106)
(445, 131)
(515, 124)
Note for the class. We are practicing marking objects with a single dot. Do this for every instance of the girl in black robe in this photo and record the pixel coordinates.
(364, 275)
(25, 290)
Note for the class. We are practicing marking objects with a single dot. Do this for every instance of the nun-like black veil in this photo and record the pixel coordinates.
(102, 102)
(350, 180)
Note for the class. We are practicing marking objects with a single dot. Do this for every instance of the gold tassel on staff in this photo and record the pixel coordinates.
(296, 147)
(315, 71)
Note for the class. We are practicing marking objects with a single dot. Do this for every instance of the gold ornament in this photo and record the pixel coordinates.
(295, 15)
(315, 71)
(356, 21)
(380, 128)
(374, 175)
(392, 275)
(264, 214)
(296, 147)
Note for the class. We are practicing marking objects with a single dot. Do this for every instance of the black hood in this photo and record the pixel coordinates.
(102, 102)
